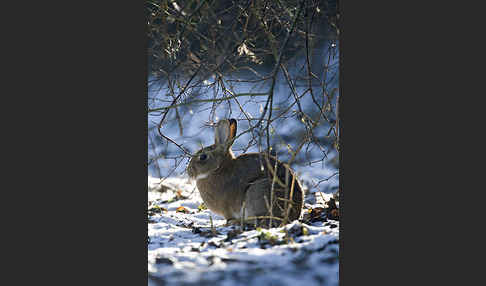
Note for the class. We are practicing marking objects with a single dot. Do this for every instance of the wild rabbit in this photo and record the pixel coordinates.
(236, 187)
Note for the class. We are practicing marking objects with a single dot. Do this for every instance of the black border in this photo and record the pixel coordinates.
(341, 145)
(78, 197)
(404, 87)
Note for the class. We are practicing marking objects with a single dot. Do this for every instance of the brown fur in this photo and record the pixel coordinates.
(232, 182)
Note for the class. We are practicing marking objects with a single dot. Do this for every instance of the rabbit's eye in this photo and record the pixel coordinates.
(203, 157)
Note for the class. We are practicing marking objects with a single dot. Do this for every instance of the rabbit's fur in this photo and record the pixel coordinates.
(227, 183)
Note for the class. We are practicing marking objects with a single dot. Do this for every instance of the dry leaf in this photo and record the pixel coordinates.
(182, 209)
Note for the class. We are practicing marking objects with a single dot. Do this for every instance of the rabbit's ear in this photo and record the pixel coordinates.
(225, 132)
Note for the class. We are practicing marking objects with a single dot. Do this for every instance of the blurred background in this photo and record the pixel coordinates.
(271, 65)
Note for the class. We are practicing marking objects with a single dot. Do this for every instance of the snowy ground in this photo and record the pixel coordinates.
(183, 248)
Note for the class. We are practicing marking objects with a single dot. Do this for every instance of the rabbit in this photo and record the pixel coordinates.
(240, 187)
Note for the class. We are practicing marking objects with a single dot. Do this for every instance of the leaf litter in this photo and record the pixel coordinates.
(190, 245)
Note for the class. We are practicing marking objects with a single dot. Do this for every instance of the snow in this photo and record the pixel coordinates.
(197, 248)
(184, 249)
(196, 133)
